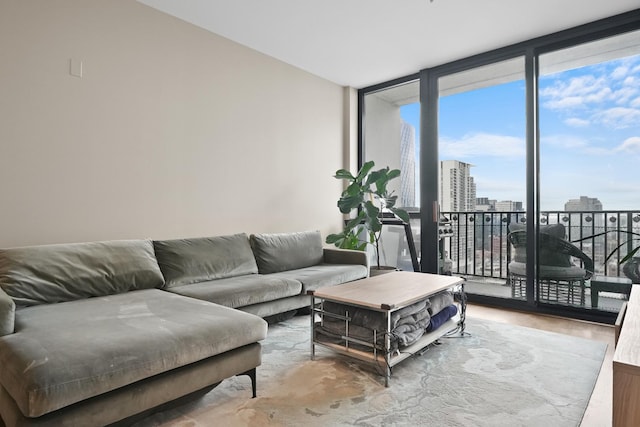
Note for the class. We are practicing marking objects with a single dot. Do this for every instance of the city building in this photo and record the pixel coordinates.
(584, 203)
(457, 187)
(484, 204)
(508, 206)
(407, 196)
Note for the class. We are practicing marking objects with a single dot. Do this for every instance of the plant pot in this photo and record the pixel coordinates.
(375, 271)
(631, 269)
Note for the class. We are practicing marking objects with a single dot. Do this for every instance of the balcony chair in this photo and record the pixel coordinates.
(560, 280)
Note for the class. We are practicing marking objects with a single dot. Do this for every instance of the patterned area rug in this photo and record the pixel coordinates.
(499, 375)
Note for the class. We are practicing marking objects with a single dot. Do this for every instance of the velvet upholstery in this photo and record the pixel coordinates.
(286, 251)
(240, 291)
(7, 313)
(345, 256)
(275, 307)
(323, 275)
(185, 261)
(57, 273)
(149, 393)
(64, 353)
(68, 359)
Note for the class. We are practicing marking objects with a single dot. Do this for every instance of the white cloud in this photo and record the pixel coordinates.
(620, 72)
(576, 92)
(618, 117)
(635, 103)
(482, 144)
(576, 122)
(630, 145)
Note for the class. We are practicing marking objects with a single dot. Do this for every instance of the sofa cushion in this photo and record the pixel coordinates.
(7, 313)
(286, 251)
(323, 275)
(66, 272)
(241, 291)
(65, 353)
(185, 261)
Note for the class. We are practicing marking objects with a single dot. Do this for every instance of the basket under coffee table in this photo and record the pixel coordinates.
(385, 294)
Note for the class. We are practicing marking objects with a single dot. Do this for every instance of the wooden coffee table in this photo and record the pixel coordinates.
(386, 293)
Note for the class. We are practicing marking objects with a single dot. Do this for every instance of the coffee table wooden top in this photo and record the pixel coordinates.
(389, 291)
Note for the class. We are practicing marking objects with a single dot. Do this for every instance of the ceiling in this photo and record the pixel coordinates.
(358, 43)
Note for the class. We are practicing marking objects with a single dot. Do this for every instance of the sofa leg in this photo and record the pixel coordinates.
(252, 374)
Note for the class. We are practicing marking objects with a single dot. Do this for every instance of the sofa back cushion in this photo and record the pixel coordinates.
(287, 251)
(185, 261)
(65, 272)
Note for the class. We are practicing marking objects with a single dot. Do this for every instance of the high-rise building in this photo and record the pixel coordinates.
(407, 196)
(457, 188)
(584, 203)
(484, 204)
(458, 194)
(508, 206)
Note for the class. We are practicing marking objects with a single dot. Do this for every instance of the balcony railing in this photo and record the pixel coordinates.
(479, 245)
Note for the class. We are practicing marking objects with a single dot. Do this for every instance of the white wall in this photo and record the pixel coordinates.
(171, 132)
(382, 135)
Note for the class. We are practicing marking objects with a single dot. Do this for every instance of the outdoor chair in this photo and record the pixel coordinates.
(559, 279)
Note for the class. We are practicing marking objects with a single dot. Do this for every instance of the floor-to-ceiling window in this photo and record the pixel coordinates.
(481, 136)
(589, 115)
(392, 132)
(530, 138)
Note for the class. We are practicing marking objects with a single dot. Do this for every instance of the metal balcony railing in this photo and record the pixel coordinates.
(479, 245)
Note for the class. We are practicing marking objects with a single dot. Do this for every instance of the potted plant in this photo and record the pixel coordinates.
(367, 194)
(630, 262)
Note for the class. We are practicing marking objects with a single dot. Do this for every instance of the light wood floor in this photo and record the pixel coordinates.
(598, 413)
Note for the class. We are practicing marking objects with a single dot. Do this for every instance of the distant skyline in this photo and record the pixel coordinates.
(589, 135)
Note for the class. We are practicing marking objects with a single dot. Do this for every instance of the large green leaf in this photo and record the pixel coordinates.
(344, 174)
(364, 170)
(375, 176)
(346, 204)
(401, 213)
(353, 223)
(394, 173)
(353, 190)
(333, 238)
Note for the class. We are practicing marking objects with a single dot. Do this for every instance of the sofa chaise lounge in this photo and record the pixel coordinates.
(95, 333)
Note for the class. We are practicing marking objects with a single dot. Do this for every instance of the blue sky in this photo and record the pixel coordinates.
(589, 129)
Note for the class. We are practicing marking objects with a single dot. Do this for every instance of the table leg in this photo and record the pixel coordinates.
(312, 315)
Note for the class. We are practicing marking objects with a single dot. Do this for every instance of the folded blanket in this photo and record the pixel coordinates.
(440, 318)
(336, 329)
(374, 319)
(407, 324)
(440, 301)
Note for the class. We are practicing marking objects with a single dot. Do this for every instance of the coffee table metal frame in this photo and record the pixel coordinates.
(380, 293)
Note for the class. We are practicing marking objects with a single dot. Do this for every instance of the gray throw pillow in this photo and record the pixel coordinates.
(287, 251)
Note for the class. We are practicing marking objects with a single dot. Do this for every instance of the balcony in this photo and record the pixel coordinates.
(479, 250)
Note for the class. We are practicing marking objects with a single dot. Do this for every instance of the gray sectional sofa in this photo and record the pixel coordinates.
(95, 333)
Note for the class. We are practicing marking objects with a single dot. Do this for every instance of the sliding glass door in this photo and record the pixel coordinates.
(520, 171)
(481, 136)
(589, 103)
